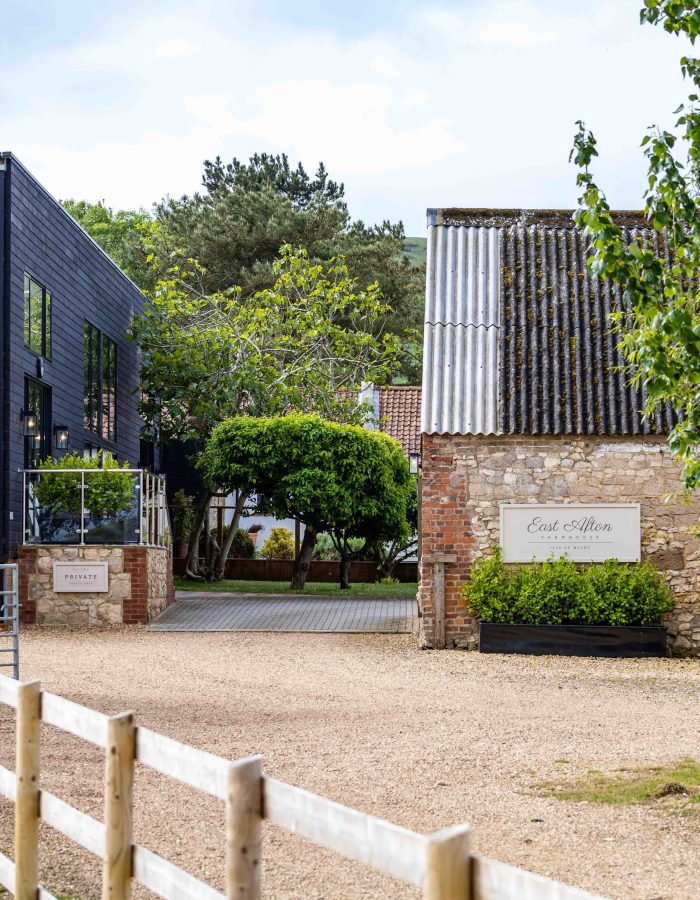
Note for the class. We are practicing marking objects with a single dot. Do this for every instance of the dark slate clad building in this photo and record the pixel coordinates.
(65, 311)
(526, 402)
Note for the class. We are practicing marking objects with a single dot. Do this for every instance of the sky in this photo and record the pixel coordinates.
(411, 104)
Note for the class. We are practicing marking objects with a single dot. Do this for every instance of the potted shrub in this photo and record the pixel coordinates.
(253, 533)
(107, 497)
(183, 519)
(610, 609)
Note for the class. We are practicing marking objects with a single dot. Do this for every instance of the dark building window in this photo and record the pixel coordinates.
(147, 455)
(37, 399)
(37, 317)
(100, 381)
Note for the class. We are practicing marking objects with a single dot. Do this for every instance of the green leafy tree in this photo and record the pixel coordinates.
(402, 546)
(340, 479)
(234, 228)
(126, 236)
(661, 336)
(306, 344)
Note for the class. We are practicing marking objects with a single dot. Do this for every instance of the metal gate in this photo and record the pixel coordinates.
(9, 618)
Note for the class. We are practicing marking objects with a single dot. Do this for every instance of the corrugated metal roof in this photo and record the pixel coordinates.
(462, 315)
(518, 336)
(561, 371)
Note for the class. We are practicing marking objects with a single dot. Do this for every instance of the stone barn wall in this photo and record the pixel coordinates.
(140, 585)
(466, 477)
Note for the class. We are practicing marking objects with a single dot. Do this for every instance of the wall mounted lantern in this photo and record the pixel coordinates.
(61, 436)
(414, 463)
(30, 426)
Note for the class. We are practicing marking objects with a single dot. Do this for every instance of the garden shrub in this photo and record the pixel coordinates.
(279, 545)
(556, 592)
(242, 546)
(105, 495)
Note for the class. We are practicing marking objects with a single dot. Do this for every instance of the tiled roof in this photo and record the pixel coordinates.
(399, 415)
(518, 337)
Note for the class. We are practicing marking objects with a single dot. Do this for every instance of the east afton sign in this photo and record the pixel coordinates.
(581, 532)
(80, 578)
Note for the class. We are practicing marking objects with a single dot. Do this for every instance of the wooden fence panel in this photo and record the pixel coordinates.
(440, 864)
(325, 571)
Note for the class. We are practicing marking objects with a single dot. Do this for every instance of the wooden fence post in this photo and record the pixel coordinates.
(447, 865)
(119, 782)
(27, 798)
(438, 561)
(243, 829)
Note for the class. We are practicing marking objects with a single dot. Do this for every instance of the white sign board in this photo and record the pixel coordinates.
(80, 578)
(583, 533)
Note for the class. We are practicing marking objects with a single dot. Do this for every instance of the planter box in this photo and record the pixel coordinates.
(573, 640)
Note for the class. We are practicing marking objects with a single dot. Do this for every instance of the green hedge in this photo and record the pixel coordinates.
(556, 592)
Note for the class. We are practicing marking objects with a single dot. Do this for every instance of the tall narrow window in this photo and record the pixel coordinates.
(109, 389)
(91, 363)
(37, 399)
(37, 317)
(100, 380)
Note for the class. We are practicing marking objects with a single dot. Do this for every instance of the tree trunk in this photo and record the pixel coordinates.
(303, 561)
(345, 572)
(220, 564)
(192, 561)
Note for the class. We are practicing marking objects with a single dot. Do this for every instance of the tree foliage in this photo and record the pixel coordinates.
(126, 236)
(234, 228)
(279, 545)
(305, 344)
(661, 337)
(341, 479)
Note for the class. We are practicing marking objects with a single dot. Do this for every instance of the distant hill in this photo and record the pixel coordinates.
(416, 249)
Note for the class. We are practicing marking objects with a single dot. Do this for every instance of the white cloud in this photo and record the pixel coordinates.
(384, 66)
(369, 134)
(177, 48)
(415, 97)
(425, 115)
(515, 35)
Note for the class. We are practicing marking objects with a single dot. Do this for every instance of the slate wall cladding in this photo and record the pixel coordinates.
(465, 478)
(47, 244)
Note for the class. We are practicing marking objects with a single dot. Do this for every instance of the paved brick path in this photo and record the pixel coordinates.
(286, 612)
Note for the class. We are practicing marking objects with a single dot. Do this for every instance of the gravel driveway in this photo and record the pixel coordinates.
(425, 739)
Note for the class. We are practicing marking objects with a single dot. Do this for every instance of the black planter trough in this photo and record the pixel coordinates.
(573, 640)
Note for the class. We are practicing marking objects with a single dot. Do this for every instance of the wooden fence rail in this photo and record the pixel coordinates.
(440, 864)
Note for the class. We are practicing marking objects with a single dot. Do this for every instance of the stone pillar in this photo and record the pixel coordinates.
(140, 585)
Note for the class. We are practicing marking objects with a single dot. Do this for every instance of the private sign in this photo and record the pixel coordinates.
(80, 578)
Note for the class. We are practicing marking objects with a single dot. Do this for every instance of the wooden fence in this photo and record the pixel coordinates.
(361, 571)
(439, 864)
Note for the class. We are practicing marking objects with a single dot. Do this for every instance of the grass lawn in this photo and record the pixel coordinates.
(312, 588)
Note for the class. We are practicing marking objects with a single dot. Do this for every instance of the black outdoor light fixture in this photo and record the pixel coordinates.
(30, 422)
(414, 463)
(61, 436)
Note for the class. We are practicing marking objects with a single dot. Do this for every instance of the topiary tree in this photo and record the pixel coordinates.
(280, 545)
(341, 479)
(106, 495)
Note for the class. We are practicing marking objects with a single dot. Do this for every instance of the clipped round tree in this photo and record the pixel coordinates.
(340, 479)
